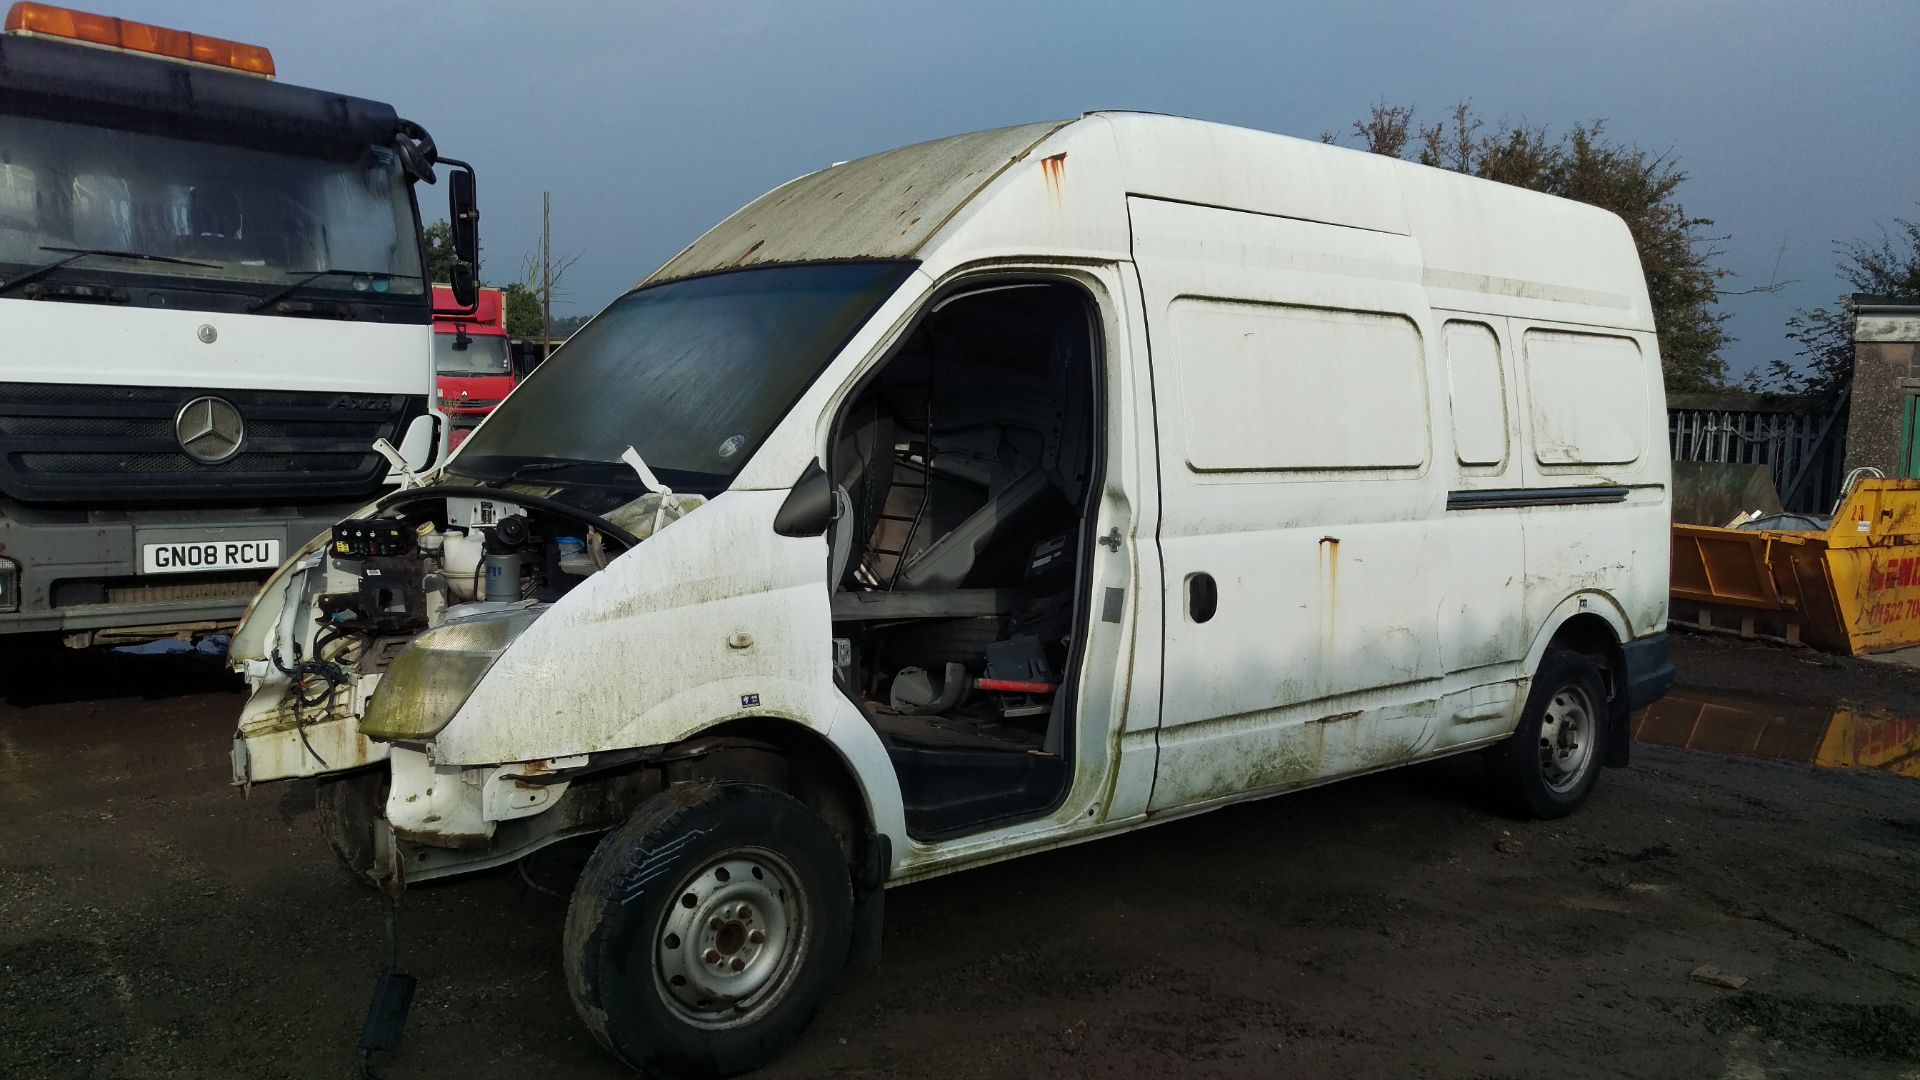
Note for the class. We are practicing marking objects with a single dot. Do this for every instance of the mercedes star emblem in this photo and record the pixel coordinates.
(209, 429)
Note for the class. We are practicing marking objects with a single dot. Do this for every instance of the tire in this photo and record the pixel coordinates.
(1550, 764)
(709, 889)
(348, 808)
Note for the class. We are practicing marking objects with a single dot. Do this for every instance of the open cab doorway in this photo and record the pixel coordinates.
(967, 472)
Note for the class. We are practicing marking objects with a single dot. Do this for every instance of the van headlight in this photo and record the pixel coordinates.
(428, 682)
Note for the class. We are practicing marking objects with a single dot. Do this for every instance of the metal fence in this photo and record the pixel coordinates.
(1801, 441)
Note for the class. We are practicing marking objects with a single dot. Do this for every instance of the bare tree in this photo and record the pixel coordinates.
(1386, 130)
(1823, 364)
(1677, 254)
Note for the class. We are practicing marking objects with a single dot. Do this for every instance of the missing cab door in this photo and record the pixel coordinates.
(964, 471)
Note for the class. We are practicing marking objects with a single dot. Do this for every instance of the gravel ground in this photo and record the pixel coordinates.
(155, 922)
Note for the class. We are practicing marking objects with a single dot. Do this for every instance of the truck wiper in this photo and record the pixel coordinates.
(315, 275)
(76, 254)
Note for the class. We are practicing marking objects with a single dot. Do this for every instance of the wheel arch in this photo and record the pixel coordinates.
(821, 772)
(1593, 624)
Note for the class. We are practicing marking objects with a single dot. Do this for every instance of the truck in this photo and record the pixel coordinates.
(212, 308)
(1012, 490)
(471, 358)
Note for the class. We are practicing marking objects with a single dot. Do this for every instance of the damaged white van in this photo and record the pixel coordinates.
(990, 494)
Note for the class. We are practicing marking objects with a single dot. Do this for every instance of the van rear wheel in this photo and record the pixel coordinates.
(706, 930)
(1548, 767)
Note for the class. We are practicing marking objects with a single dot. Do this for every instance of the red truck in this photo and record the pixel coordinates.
(472, 363)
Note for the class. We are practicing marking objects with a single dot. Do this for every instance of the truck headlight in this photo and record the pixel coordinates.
(9, 585)
(427, 683)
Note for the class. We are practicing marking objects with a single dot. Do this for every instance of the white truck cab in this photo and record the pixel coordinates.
(212, 308)
(1000, 492)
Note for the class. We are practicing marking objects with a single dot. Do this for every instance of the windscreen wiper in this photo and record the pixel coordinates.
(622, 476)
(315, 275)
(519, 472)
(76, 254)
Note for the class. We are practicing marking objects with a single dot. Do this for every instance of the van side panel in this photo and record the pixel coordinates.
(1589, 399)
(1595, 414)
(1481, 629)
(1304, 556)
(1477, 393)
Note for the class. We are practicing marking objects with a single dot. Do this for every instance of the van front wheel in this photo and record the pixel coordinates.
(1550, 764)
(705, 931)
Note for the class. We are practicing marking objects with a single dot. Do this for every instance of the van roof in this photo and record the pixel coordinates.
(881, 207)
(1477, 237)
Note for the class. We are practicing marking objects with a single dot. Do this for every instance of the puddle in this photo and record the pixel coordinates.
(1834, 735)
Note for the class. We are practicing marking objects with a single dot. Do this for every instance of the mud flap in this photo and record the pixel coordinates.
(387, 1012)
(1618, 749)
(1645, 675)
(392, 1000)
(869, 901)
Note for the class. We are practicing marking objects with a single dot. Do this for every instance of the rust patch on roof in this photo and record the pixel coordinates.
(748, 254)
(1053, 171)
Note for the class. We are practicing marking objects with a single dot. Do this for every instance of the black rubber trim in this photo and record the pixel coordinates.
(808, 508)
(517, 498)
(869, 900)
(1548, 496)
(1645, 676)
(1648, 674)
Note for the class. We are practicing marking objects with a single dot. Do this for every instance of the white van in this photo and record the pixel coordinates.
(978, 497)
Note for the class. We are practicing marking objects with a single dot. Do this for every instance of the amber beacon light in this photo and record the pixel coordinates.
(105, 31)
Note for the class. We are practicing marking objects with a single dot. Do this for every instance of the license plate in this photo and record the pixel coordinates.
(194, 556)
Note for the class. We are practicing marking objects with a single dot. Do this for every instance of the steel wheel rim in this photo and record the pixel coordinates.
(729, 944)
(1567, 734)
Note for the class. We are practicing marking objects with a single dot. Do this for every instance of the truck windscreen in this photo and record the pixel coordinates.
(235, 218)
(471, 355)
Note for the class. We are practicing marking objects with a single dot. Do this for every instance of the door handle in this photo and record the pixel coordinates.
(1203, 597)
(1111, 541)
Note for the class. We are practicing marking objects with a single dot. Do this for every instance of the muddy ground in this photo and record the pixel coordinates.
(156, 923)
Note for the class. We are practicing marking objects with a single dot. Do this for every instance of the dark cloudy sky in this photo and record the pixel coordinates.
(649, 121)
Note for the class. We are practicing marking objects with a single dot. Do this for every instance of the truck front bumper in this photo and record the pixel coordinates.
(80, 570)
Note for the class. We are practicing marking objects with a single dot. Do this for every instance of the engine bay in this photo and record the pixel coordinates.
(424, 559)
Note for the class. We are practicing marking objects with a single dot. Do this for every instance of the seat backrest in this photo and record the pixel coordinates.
(945, 563)
(863, 463)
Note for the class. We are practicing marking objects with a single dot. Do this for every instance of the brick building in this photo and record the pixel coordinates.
(1883, 430)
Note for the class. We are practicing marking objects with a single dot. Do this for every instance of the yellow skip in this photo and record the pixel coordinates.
(1854, 588)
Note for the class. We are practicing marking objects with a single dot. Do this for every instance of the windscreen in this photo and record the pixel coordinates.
(241, 215)
(454, 354)
(693, 374)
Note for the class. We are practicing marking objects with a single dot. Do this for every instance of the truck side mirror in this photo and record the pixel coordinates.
(466, 287)
(463, 212)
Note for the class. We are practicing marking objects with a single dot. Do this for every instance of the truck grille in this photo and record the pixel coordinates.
(94, 444)
(237, 586)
